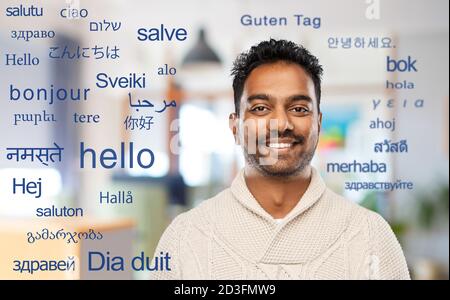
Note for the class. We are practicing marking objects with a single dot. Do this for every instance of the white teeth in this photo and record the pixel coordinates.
(279, 145)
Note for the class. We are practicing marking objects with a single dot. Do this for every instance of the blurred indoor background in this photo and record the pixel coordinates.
(208, 159)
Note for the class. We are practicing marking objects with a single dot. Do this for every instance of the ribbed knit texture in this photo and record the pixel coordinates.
(325, 236)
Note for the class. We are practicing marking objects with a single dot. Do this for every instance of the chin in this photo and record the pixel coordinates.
(280, 171)
(284, 167)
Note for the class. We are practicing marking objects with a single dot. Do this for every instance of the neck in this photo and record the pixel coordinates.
(277, 195)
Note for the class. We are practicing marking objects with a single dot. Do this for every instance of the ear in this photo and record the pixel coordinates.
(233, 124)
(320, 121)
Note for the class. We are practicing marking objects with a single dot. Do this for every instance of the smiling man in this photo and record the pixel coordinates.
(278, 220)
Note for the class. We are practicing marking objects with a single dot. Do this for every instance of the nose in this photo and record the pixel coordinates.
(283, 120)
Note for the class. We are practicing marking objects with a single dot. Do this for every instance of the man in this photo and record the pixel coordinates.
(278, 220)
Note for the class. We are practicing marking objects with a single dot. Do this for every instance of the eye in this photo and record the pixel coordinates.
(300, 109)
(259, 109)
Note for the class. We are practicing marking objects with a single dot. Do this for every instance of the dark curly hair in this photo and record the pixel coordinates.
(269, 52)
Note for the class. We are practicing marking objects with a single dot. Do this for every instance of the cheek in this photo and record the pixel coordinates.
(306, 127)
(250, 130)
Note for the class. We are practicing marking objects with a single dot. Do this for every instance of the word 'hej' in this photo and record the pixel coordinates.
(30, 187)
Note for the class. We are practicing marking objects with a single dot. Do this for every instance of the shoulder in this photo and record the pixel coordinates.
(351, 209)
(201, 215)
(386, 258)
(372, 221)
(359, 217)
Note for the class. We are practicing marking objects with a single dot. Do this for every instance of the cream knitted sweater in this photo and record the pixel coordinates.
(230, 236)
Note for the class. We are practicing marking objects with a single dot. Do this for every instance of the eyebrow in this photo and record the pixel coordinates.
(258, 97)
(300, 98)
(290, 99)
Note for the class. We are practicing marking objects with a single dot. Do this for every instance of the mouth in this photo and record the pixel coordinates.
(280, 145)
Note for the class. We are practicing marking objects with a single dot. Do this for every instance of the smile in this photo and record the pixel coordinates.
(280, 145)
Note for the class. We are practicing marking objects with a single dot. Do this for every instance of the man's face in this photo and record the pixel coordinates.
(279, 122)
